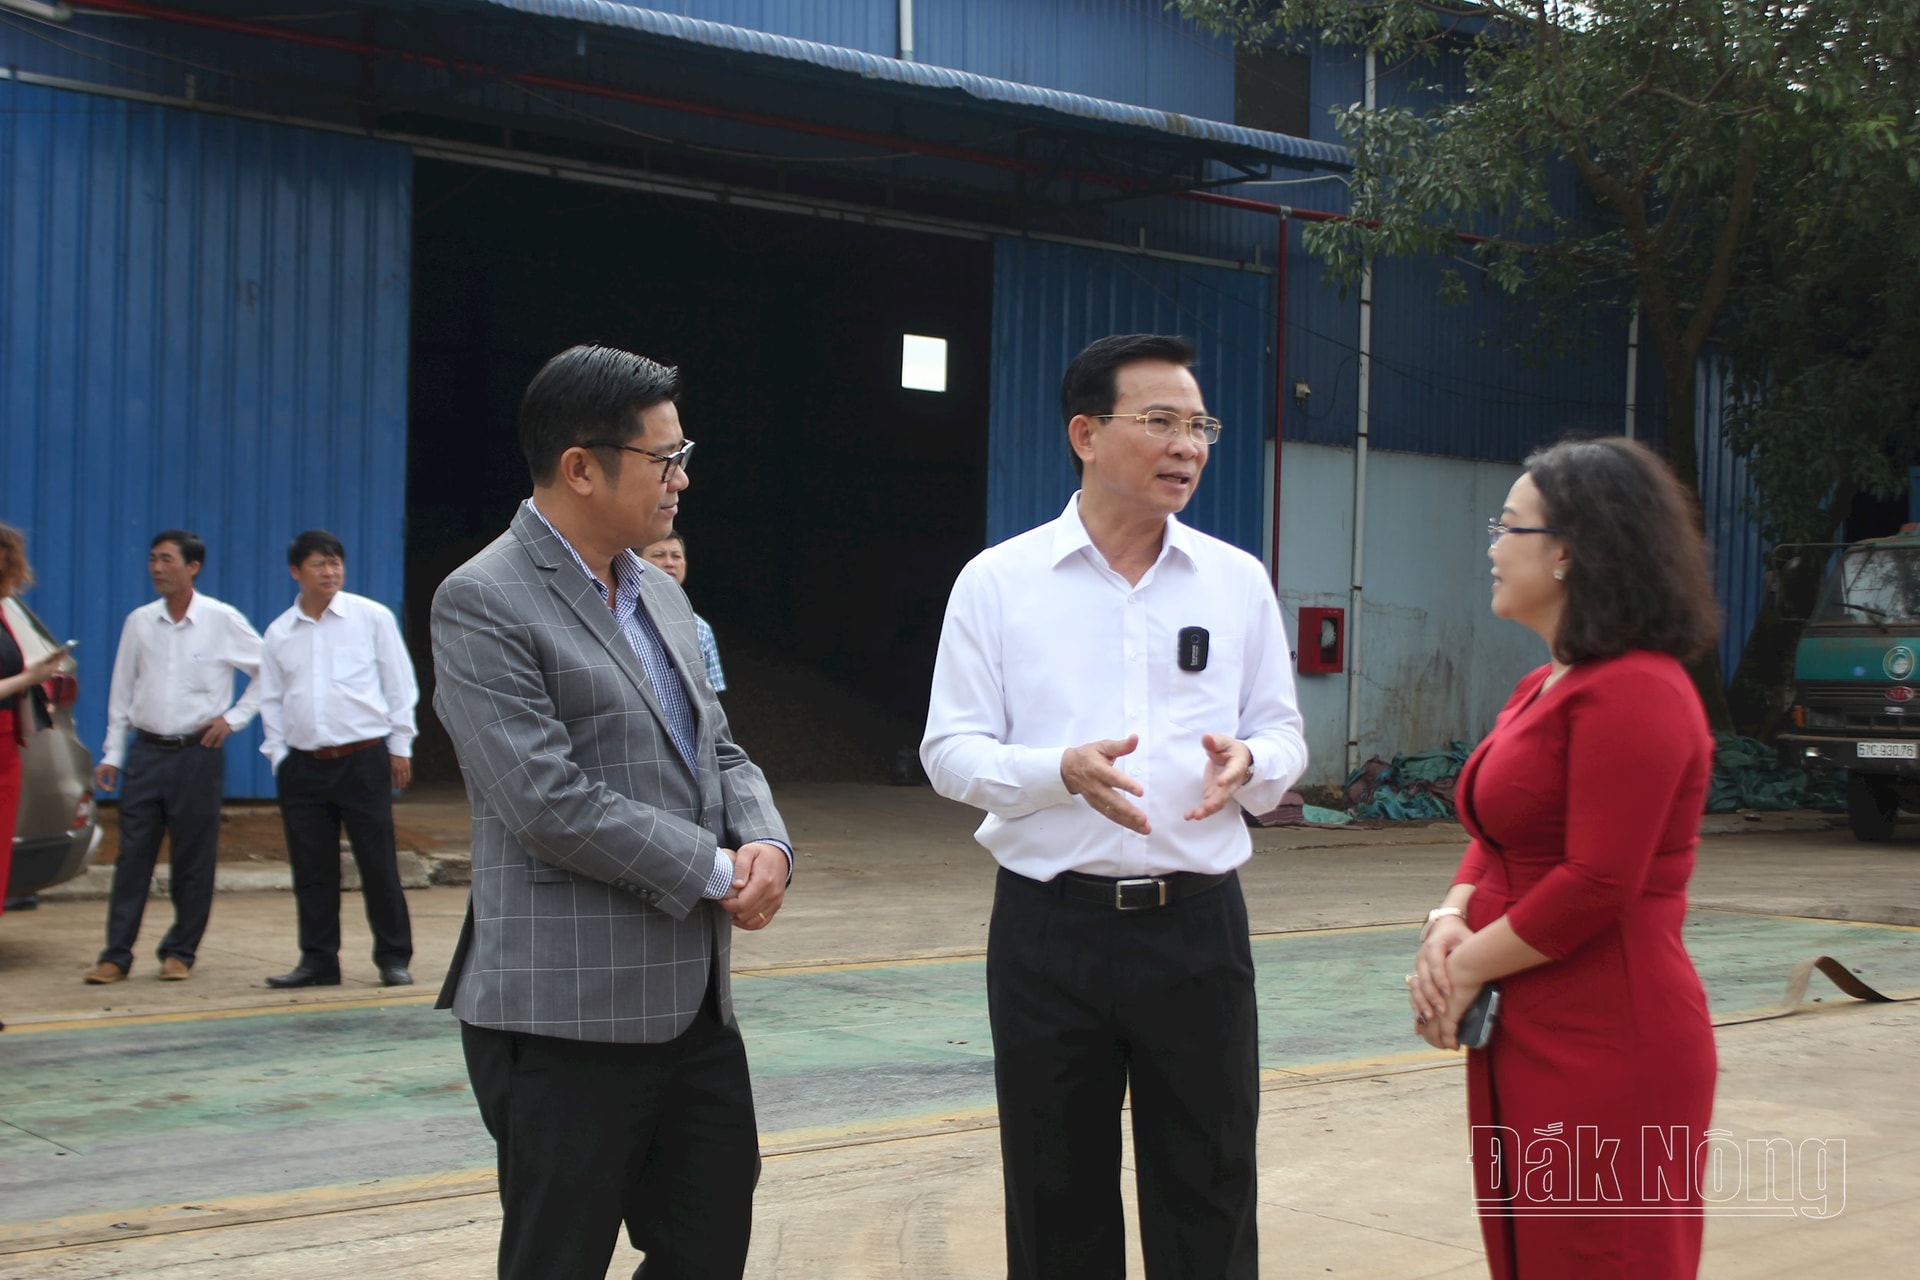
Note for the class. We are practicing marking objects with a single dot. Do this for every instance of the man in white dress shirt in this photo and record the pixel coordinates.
(170, 710)
(337, 699)
(1113, 687)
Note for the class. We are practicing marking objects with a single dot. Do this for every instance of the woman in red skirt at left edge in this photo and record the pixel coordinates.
(16, 676)
(1593, 1096)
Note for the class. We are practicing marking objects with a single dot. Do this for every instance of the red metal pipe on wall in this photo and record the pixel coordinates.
(1260, 206)
(1288, 211)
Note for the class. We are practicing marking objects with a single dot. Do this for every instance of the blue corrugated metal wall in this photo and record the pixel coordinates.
(871, 26)
(1739, 551)
(1050, 300)
(1447, 381)
(1450, 381)
(1725, 492)
(203, 323)
(1121, 50)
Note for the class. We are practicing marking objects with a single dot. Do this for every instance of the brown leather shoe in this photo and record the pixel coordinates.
(173, 969)
(104, 972)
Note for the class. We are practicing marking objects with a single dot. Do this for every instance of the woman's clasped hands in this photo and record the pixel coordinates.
(1439, 997)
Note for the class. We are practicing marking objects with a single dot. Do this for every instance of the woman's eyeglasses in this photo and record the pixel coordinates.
(1497, 531)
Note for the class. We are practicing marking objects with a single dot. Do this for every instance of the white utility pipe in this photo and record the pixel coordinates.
(906, 30)
(1633, 370)
(1355, 599)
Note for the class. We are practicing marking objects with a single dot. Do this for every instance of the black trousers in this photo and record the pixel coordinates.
(166, 793)
(316, 798)
(1087, 1002)
(590, 1135)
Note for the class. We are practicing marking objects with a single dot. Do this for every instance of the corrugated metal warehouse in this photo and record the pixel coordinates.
(264, 268)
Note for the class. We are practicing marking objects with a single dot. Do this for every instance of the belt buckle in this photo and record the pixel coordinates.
(1120, 887)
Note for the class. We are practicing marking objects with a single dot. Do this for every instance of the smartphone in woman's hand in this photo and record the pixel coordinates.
(1476, 1024)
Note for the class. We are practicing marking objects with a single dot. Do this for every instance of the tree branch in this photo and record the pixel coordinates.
(1733, 233)
(1706, 99)
(1653, 61)
(1670, 223)
(1640, 86)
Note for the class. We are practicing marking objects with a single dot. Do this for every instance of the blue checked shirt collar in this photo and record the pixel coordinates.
(627, 568)
(642, 637)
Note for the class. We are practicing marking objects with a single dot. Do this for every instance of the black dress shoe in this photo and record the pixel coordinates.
(305, 977)
(395, 975)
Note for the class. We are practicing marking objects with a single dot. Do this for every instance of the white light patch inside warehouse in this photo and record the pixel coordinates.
(923, 363)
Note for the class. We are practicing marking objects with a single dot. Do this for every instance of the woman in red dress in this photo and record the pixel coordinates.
(1595, 1091)
(17, 675)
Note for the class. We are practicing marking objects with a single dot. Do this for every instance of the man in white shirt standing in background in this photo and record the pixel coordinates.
(1110, 656)
(337, 699)
(170, 710)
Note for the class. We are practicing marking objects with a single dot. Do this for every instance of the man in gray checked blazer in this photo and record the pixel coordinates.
(619, 836)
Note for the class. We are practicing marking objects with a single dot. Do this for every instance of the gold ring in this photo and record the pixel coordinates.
(1409, 979)
(762, 917)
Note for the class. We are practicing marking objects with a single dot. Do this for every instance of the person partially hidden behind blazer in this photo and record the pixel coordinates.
(619, 836)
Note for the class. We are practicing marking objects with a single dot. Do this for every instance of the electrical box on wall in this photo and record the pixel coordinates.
(1322, 640)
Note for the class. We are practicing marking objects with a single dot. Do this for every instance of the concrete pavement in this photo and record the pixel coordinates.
(1362, 1172)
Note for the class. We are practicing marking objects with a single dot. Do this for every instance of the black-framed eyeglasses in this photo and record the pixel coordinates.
(1497, 531)
(668, 461)
(1163, 425)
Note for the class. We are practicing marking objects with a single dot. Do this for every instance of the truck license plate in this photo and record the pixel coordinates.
(1885, 750)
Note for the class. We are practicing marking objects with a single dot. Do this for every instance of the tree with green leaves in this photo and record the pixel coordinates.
(1748, 176)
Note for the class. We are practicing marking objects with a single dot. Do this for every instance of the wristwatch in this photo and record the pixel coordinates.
(1439, 913)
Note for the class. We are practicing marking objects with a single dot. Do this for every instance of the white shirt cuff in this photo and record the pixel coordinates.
(1036, 772)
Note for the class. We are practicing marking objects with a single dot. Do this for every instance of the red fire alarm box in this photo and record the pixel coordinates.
(1322, 640)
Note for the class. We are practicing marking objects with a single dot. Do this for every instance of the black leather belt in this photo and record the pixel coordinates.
(167, 741)
(1136, 893)
(344, 750)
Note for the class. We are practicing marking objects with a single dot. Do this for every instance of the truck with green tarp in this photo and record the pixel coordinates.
(1856, 686)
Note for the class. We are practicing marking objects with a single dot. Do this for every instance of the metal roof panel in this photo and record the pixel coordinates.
(920, 76)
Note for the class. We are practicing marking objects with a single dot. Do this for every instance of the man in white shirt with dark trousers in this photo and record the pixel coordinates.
(1113, 687)
(337, 705)
(170, 711)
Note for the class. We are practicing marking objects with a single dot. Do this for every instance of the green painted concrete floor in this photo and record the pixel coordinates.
(119, 1114)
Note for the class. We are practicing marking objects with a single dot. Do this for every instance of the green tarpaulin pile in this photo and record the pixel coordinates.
(1412, 787)
(1747, 774)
